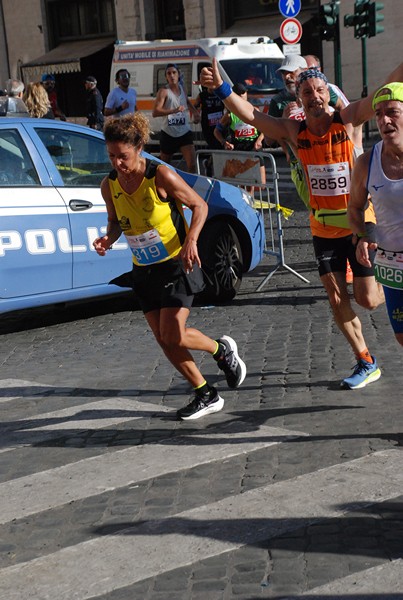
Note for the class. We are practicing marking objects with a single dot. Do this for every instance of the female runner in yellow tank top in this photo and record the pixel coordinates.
(144, 200)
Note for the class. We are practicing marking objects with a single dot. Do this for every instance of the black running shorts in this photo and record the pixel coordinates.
(166, 285)
(332, 253)
(171, 145)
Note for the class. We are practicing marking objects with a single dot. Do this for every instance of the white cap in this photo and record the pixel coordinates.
(292, 62)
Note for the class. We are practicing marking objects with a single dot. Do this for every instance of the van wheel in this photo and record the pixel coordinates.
(221, 257)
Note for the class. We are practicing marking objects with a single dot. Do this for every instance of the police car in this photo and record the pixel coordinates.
(51, 210)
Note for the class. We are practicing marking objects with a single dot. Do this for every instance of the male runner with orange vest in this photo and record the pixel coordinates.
(325, 148)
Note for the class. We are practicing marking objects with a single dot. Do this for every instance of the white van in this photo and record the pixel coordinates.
(249, 60)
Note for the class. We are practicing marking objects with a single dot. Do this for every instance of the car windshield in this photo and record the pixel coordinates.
(257, 75)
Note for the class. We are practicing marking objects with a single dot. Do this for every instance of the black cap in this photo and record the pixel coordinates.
(239, 88)
(90, 79)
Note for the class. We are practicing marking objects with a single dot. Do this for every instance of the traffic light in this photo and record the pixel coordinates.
(361, 18)
(328, 21)
(374, 18)
(365, 19)
(349, 20)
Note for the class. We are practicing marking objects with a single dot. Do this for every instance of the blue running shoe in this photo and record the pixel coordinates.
(364, 373)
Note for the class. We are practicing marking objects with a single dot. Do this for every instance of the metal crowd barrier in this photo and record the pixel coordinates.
(243, 169)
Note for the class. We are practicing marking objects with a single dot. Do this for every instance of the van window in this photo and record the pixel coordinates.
(160, 80)
(257, 75)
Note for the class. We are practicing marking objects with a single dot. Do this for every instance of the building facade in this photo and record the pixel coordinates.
(74, 38)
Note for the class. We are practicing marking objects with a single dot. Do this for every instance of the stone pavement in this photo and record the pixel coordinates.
(294, 490)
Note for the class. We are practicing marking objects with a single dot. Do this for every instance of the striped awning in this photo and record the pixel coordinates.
(65, 58)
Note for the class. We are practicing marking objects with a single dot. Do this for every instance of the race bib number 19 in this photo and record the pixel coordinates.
(147, 248)
(329, 180)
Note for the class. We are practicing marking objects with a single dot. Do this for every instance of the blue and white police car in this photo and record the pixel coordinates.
(51, 210)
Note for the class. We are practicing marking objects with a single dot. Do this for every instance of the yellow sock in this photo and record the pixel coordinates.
(217, 348)
(200, 386)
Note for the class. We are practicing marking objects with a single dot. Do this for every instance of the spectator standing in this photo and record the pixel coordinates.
(15, 88)
(37, 101)
(15, 104)
(122, 99)
(144, 200)
(49, 83)
(211, 112)
(173, 104)
(94, 104)
(242, 135)
(289, 70)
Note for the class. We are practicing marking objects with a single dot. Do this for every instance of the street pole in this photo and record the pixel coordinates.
(3, 27)
(364, 79)
(336, 47)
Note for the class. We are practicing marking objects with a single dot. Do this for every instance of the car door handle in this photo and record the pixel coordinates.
(78, 205)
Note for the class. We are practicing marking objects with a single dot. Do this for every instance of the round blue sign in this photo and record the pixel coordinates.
(289, 8)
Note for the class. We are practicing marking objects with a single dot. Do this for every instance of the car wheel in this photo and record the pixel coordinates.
(221, 257)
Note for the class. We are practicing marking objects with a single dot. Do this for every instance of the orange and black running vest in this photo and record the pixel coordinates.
(328, 161)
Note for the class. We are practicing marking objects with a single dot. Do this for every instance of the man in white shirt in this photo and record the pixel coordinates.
(122, 99)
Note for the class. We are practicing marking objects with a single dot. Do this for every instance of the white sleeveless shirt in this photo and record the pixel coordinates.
(387, 197)
(176, 124)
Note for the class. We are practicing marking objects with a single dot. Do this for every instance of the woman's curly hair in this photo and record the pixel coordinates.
(133, 129)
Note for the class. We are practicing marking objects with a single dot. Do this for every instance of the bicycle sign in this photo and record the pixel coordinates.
(290, 31)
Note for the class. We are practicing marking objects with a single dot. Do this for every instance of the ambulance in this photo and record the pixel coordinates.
(252, 61)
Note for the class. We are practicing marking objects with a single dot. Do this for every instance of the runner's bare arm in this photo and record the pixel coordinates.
(113, 230)
(159, 110)
(193, 111)
(356, 207)
(358, 194)
(170, 184)
(274, 128)
(221, 128)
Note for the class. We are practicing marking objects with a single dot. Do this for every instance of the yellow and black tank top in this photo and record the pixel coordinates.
(155, 228)
(328, 161)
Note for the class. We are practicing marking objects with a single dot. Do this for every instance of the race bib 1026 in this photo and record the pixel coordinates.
(389, 268)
